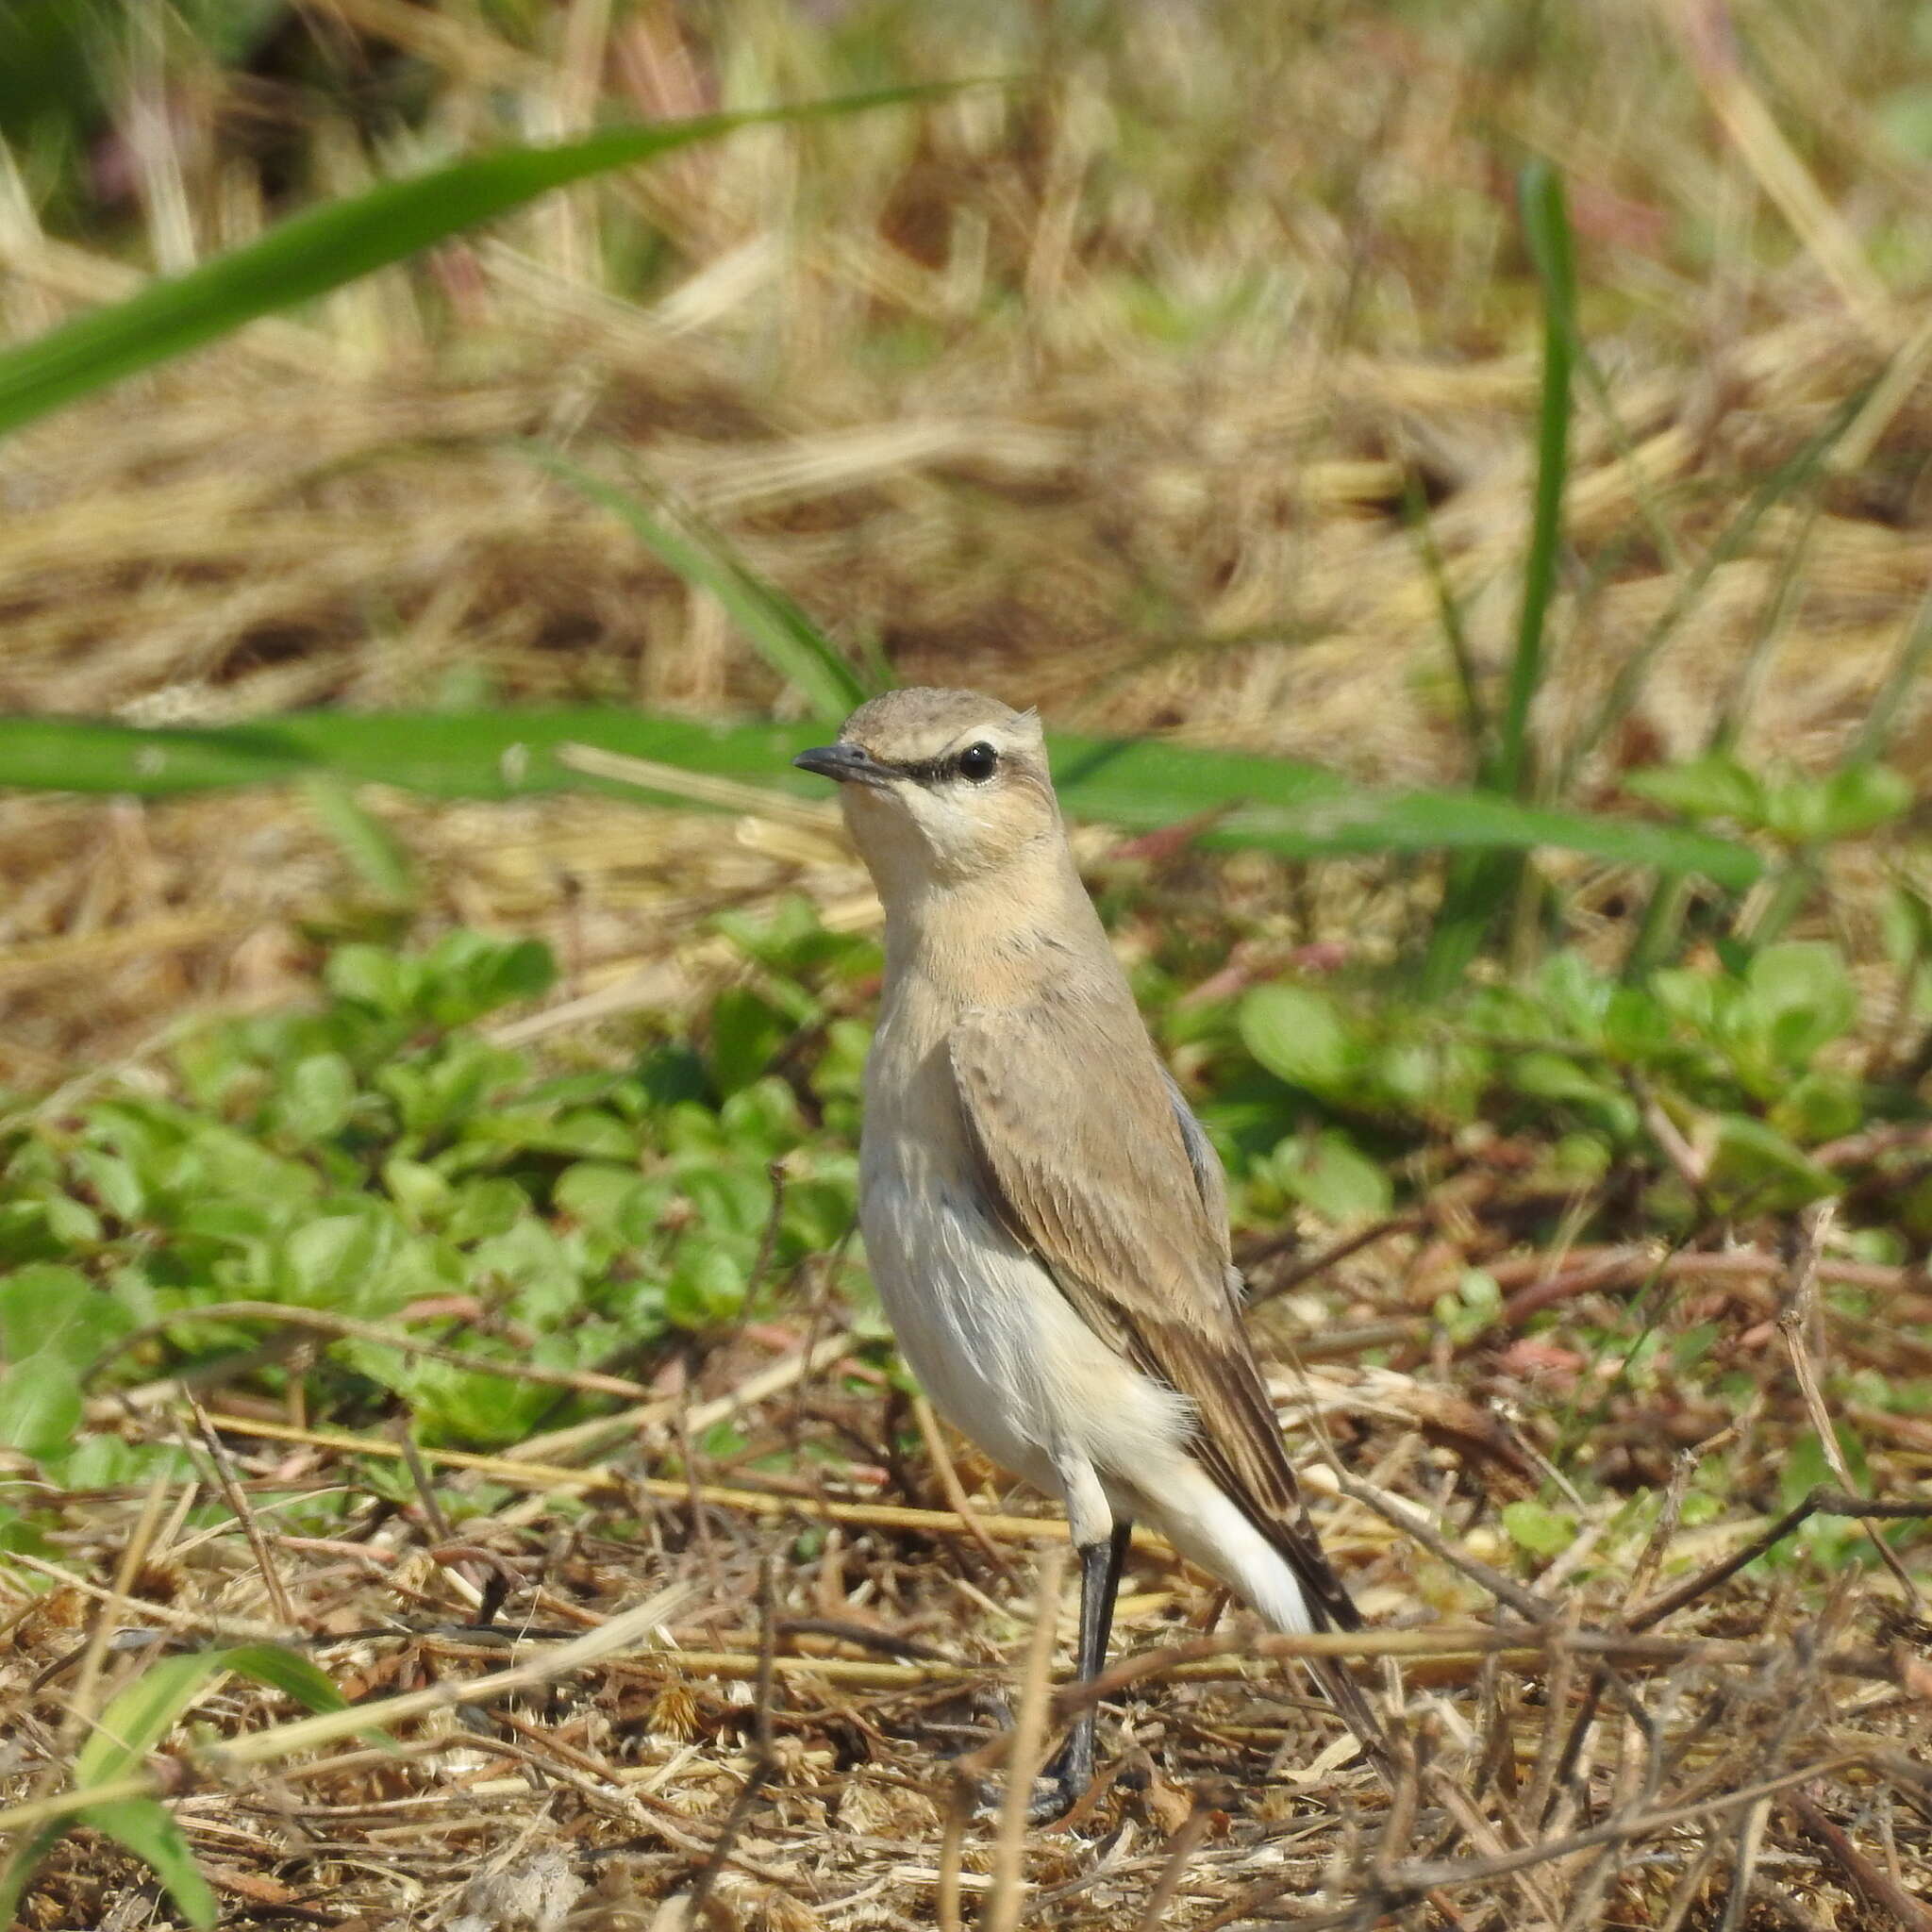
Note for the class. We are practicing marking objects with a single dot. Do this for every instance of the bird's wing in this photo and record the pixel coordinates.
(1210, 1184)
(1079, 1145)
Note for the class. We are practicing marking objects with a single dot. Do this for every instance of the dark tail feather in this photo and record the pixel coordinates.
(1346, 1695)
(1331, 1609)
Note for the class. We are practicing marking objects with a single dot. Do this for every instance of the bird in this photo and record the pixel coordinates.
(1044, 1219)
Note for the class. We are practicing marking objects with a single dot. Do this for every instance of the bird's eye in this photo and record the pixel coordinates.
(978, 762)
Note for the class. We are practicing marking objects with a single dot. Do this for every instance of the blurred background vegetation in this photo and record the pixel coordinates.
(1484, 449)
(1187, 382)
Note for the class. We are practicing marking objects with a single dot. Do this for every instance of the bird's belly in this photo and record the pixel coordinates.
(996, 1347)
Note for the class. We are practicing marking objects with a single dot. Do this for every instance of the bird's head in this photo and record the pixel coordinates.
(939, 787)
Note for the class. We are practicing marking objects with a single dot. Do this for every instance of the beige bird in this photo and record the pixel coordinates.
(1044, 1218)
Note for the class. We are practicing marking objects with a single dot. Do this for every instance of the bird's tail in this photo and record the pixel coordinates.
(1329, 1607)
(1341, 1688)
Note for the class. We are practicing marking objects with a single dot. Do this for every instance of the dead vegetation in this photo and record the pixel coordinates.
(727, 1697)
(1113, 393)
(1109, 394)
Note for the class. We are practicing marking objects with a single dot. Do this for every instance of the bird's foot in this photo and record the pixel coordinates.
(1053, 1796)
(1058, 1789)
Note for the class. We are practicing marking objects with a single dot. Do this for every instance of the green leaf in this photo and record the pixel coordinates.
(467, 974)
(1538, 1528)
(139, 1717)
(1546, 228)
(372, 976)
(364, 841)
(1297, 1034)
(707, 1286)
(57, 1312)
(1819, 1107)
(1477, 889)
(326, 1262)
(746, 1032)
(137, 1720)
(1716, 787)
(149, 1831)
(1863, 798)
(326, 246)
(1472, 1308)
(1239, 800)
(485, 1208)
(600, 1195)
(289, 1671)
(317, 1097)
(41, 1407)
(1334, 1177)
(1755, 1164)
(1801, 992)
(422, 1193)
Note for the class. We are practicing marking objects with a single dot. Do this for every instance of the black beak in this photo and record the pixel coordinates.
(845, 762)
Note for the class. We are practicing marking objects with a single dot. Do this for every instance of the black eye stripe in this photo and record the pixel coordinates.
(935, 770)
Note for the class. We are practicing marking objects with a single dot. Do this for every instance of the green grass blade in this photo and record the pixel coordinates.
(22, 1860)
(1476, 730)
(39, 754)
(141, 1715)
(138, 1718)
(1628, 683)
(1478, 892)
(1546, 228)
(1908, 667)
(148, 1830)
(1297, 811)
(777, 628)
(322, 247)
(368, 844)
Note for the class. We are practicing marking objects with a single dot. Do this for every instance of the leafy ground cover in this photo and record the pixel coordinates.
(1597, 1276)
(426, 1289)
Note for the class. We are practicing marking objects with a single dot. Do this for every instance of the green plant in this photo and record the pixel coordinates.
(1323, 1091)
(334, 243)
(134, 1723)
(381, 1153)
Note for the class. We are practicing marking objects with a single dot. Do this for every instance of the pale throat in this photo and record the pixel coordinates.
(1001, 936)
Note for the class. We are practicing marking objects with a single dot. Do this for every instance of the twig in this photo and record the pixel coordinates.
(1797, 1319)
(770, 1381)
(888, 1644)
(1822, 1500)
(768, 1244)
(950, 1485)
(764, 1759)
(555, 1476)
(307, 1734)
(1001, 1912)
(1180, 1848)
(200, 1623)
(1876, 1885)
(1330, 1257)
(237, 1502)
(1411, 1522)
(1553, 1755)
(425, 1487)
(952, 1852)
(81, 1699)
(1408, 1882)
(347, 1328)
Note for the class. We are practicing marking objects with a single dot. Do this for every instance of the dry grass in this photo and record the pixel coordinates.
(1630, 1739)
(1104, 395)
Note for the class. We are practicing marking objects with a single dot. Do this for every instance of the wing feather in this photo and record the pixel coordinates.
(1083, 1143)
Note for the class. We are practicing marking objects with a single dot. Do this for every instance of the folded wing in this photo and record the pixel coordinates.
(1078, 1136)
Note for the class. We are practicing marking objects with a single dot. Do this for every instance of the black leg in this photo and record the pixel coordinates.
(1072, 1772)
